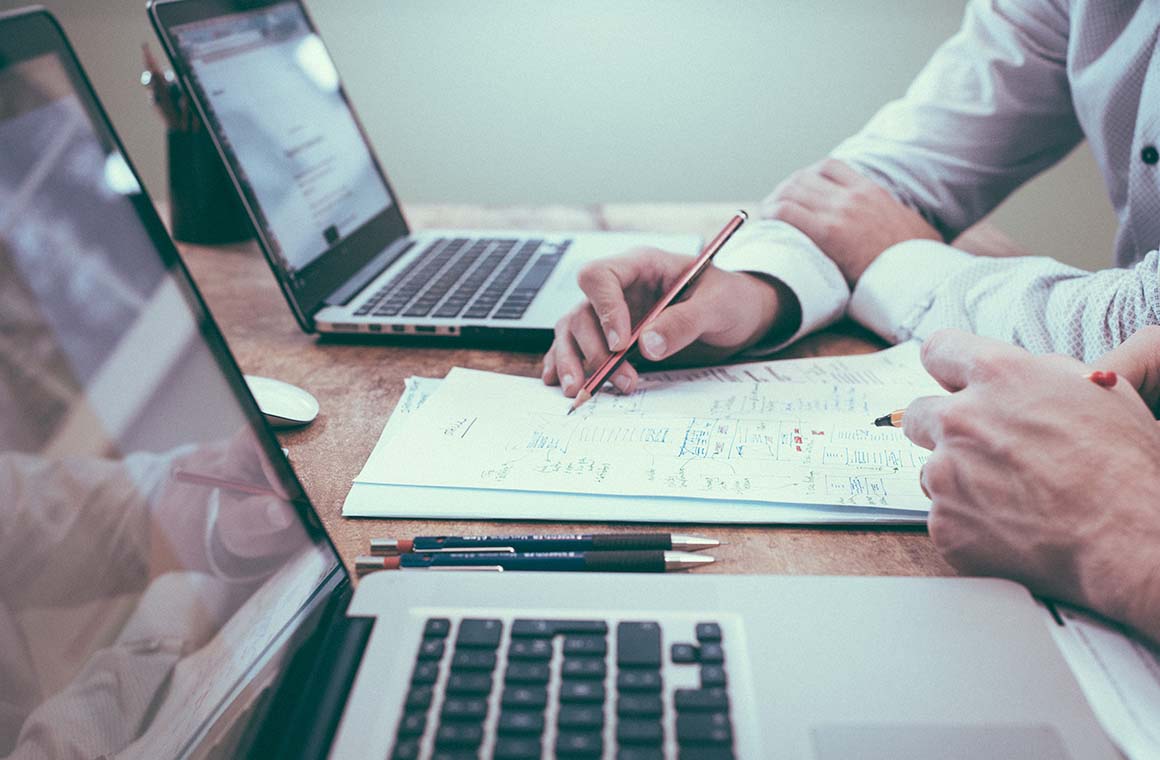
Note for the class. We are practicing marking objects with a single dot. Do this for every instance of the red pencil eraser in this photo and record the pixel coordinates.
(1104, 379)
(391, 563)
(406, 545)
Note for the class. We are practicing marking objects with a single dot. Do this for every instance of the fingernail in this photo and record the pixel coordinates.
(613, 339)
(621, 381)
(654, 344)
(567, 381)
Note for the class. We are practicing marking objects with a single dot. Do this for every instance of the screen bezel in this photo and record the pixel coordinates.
(316, 282)
(34, 32)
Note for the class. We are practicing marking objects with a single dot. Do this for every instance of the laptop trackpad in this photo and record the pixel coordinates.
(911, 742)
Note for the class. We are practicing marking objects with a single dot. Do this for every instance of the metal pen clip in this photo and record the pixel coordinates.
(496, 568)
(471, 550)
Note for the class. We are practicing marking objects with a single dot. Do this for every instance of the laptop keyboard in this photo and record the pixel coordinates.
(563, 688)
(472, 279)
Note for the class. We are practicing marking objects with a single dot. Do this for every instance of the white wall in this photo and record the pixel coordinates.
(539, 101)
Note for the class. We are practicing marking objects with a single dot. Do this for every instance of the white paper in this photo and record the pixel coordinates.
(778, 433)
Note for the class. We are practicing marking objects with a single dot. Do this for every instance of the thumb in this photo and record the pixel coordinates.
(674, 329)
(1137, 360)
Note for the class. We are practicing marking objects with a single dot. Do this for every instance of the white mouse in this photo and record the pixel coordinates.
(282, 404)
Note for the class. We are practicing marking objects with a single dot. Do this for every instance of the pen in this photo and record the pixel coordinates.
(1104, 379)
(543, 543)
(196, 478)
(606, 562)
(699, 265)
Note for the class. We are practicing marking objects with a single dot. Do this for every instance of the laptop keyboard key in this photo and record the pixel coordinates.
(512, 748)
(426, 672)
(520, 722)
(413, 724)
(530, 649)
(459, 735)
(419, 698)
(640, 753)
(579, 744)
(704, 728)
(639, 731)
(527, 672)
(683, 653)
(472, 659)
(704, 752)
(584, 668)
(694, 700)
(579, 646)
(712, 676)
(482, 634)
(580, 716)
(714, 654)
(639, 705)
(638, 680)
(469, 684)
(464, 708)
(585, 692)
(431, 649)
(638, 645)
(406, 750)
(437, 628)
(533, 697)
(708, 632)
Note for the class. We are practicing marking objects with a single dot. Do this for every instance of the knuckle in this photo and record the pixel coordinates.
(937, 475)
(831, 165)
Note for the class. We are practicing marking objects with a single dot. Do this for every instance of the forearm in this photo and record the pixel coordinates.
(917, 288)
(990, 110)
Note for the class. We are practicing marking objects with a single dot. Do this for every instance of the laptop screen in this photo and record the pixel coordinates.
(157, 551)
(273, 96)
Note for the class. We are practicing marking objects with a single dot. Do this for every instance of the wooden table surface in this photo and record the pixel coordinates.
(358, 384)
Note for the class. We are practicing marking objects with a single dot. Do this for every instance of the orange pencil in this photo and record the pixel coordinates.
(699, 265)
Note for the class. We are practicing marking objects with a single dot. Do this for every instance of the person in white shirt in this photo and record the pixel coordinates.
(863, 232)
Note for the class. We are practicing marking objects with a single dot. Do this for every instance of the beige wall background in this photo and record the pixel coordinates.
(545, 101)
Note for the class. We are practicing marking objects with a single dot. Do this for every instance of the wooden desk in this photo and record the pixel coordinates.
(358, 385)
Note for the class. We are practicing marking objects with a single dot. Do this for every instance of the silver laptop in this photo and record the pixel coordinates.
(324, 213)
(168, 589)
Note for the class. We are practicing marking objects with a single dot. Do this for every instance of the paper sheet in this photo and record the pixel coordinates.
(788, 433)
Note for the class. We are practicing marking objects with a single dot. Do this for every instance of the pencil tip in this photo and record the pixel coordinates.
(883, 421)
(570, 410)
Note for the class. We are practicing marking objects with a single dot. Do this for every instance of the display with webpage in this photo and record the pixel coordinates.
(275, 98)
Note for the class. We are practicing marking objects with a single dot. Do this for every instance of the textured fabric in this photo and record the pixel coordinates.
(1019, 86)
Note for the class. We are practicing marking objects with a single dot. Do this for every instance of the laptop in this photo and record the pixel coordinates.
(323, 210)
(169, 590)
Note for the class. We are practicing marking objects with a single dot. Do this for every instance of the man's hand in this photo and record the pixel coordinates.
(851, 218)
(725, 313)
(1040, 475)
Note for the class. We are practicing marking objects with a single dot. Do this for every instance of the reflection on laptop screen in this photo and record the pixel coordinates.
(152, 564)
(274, 95)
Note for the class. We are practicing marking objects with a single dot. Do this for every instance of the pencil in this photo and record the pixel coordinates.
(196, 478)
(1102, 378)
(695, 270)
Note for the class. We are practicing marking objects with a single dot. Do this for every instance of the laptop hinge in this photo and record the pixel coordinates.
(370, 271)
(311, 695)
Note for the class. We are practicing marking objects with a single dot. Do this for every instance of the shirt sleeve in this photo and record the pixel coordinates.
(920, 286)
(991, 109)
(778, 250)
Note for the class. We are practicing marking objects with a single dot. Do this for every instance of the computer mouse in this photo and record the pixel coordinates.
(282, 404)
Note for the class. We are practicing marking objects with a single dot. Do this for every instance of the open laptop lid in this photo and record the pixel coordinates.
(161, 561)
(265, 85)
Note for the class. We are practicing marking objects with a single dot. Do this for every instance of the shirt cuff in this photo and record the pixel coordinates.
(898, 288)
(784, 253)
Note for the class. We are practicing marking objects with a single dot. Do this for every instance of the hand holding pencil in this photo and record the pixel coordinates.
(725, 312)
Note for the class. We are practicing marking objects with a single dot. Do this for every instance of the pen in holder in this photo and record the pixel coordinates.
(203, 203)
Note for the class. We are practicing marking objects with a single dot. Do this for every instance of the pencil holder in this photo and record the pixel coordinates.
(204, 206)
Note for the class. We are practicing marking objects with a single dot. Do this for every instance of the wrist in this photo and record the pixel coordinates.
(1121, 573)
(779, 309)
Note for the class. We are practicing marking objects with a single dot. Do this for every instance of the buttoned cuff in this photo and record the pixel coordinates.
(784, 253)
(898, 288)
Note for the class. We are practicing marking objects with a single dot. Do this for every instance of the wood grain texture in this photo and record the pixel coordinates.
(358, 384)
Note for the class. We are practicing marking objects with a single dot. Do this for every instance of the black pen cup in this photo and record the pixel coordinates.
(203, 203)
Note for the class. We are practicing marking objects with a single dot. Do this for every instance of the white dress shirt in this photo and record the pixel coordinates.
(1019, 86)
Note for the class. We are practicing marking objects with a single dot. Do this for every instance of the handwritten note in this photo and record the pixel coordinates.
(794, 432)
